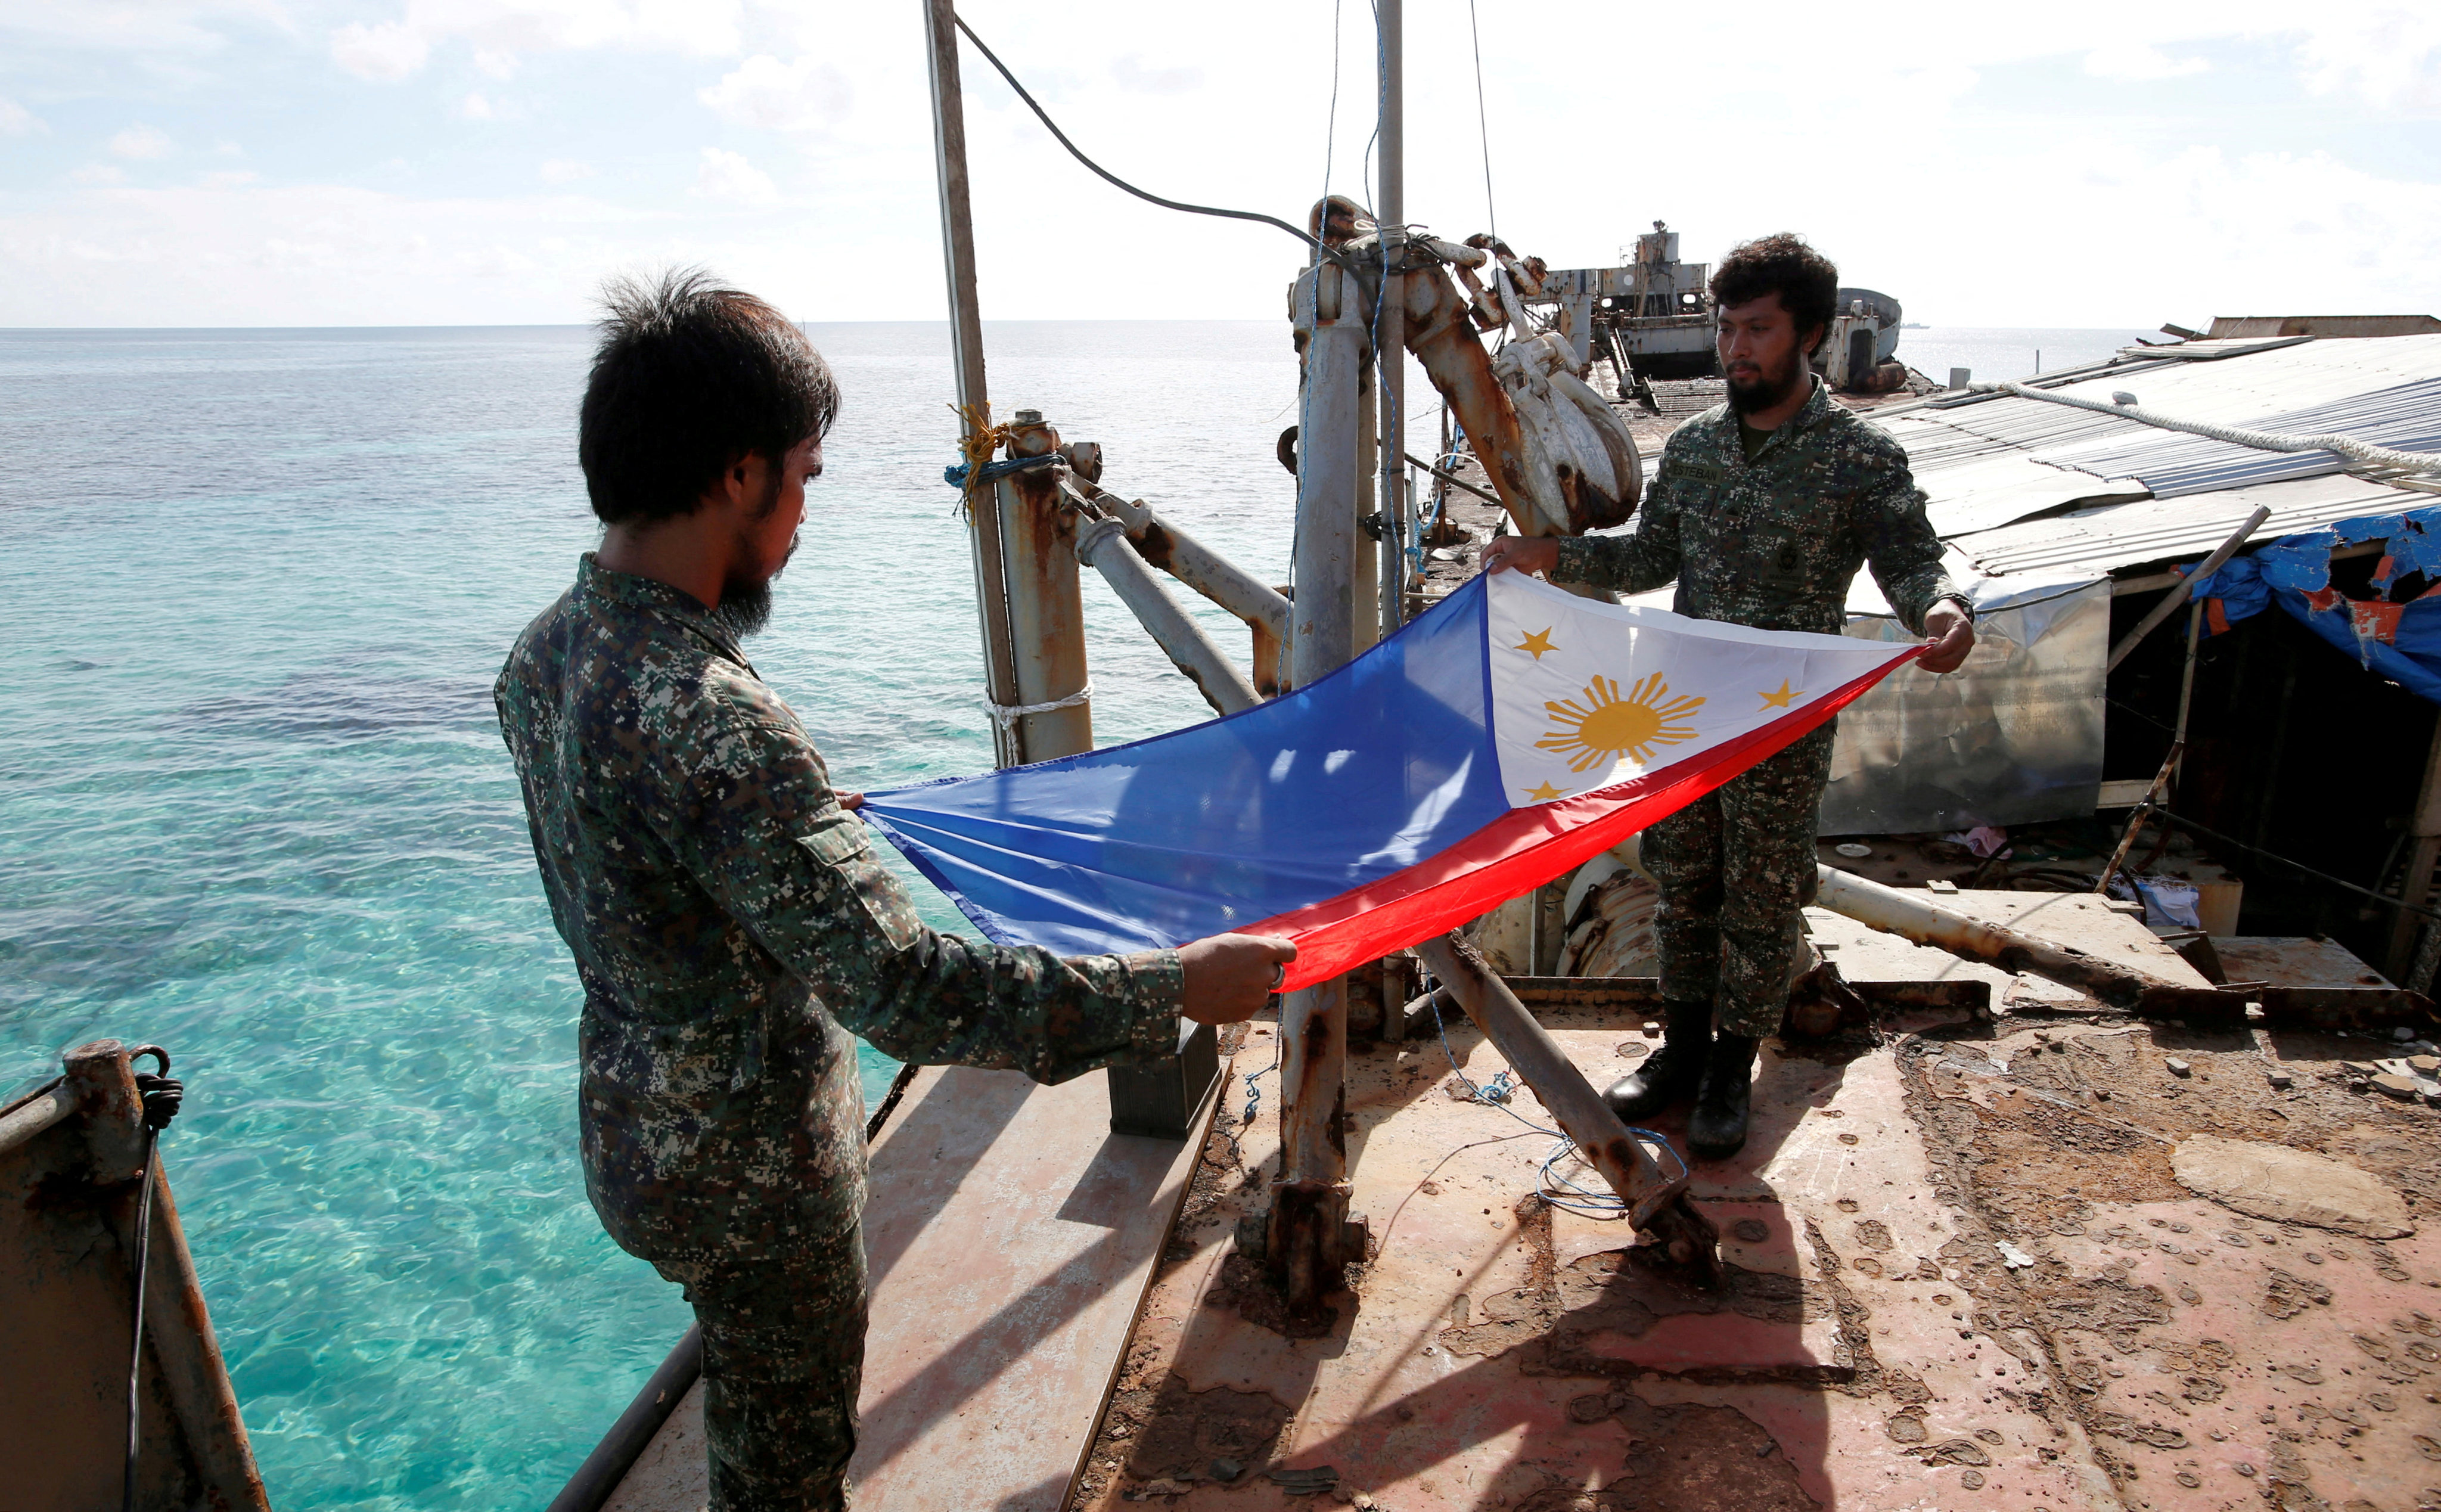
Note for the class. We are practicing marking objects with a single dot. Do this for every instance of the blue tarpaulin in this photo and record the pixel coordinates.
(2398, 639)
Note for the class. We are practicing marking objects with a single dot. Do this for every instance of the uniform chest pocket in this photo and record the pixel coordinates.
(1777, 556)
(840, 844)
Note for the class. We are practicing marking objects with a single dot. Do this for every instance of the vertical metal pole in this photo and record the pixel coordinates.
(1331, 315)
(1365, 558)
(1309, 1237)
(967, 348)
(1390, 340)
(1046, 604)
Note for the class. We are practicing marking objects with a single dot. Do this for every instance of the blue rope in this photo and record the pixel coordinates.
(956, 476)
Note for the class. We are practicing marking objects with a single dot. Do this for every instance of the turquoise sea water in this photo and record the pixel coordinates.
(254, 807)
(254, 587)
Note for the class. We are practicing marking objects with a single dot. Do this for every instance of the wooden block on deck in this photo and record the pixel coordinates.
(1011, 1236)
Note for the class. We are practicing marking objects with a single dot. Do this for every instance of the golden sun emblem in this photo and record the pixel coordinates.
(1615, 727)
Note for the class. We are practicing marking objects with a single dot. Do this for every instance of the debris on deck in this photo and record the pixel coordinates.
(2004, 1259)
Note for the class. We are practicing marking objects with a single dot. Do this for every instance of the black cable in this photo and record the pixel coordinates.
(2215, 836)
(888, 1103)
(160, 1097)
(1043, 116)
(1482, 122)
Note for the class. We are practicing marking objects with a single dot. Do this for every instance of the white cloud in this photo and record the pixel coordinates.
(498, 30)
(765, 92)
(2389, 57)
(2137, 62)
(226, 179)
(137, 143)
(16, 121)
(1953, 114)
(97, 174)
(318, 254)
(728, 176)
(135, 26)
(475, 107)
(385, 51)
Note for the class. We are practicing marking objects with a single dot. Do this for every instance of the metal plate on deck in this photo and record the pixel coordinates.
(1011, 1238)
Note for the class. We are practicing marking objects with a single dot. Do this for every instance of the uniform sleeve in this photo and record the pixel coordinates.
(1643, 559)
(758, 826)
(1899, 545)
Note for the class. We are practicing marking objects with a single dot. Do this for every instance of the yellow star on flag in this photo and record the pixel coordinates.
(1783, 699)
(1538, 642)
(1545, 793)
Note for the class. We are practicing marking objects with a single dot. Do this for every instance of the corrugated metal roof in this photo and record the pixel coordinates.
(2211, 349)
(2172, 463)
(1986, 462)
(2094, 541)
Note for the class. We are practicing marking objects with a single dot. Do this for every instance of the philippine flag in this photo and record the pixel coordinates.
(1504, 737)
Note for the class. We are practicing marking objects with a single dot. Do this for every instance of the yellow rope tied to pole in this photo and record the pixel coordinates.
(978, 439)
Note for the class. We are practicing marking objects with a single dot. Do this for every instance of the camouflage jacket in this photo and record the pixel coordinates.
(1775, 543)
(729, 920)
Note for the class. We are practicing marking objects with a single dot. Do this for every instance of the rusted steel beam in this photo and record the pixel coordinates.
(1656, 1203)
(1919, 919)
(1047, 606)
(1103, 544)
(1163, 544)
(1441, 333)
(1310, 1236)
(38, 1112)
(1639, 997)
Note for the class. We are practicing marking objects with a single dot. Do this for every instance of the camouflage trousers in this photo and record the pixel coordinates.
(1734, 867)
(783, 1358)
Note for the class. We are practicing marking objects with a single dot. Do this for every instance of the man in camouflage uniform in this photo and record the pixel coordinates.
(1762, 509)
(730, 922)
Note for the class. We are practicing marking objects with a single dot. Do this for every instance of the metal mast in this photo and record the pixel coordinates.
(967, 344)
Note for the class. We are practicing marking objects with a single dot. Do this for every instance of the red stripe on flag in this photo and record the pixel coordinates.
(1521, 850)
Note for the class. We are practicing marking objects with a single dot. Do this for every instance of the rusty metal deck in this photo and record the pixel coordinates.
(1879, 1348)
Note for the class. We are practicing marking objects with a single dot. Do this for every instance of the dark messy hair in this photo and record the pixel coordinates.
(690, 379)
(1806, 281)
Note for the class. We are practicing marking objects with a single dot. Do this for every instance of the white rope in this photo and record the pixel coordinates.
(2348, 446)
(1006, 714)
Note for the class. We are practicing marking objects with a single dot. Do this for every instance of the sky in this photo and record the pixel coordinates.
(412, 162)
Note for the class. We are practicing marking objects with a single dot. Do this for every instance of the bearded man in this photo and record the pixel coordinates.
(730, 922)
(1762, 511)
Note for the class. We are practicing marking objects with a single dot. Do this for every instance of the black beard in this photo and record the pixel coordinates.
(746, 605)
(1769, 390)
(745, 608)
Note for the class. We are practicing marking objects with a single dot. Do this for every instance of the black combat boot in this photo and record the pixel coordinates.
(1717, 1128)
(1669, 1073)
